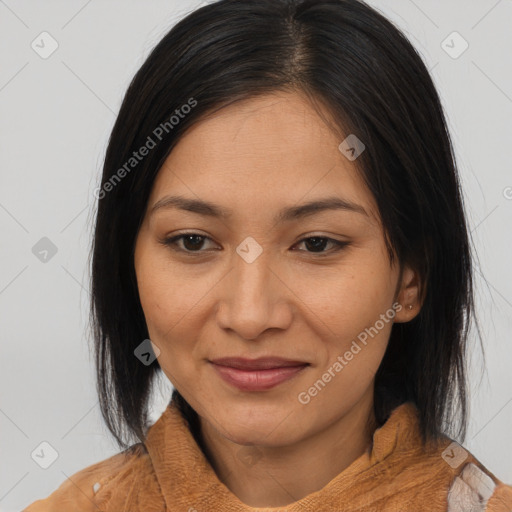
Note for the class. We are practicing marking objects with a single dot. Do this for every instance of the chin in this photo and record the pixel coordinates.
(251, 425)
(258, 436)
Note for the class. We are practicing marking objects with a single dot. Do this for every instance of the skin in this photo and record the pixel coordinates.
(256, 157)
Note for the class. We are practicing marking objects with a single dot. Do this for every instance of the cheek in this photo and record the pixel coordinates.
(173, 304)
(160, 291)
(353, 317)
(355, 329)
(350, 298)
(166, 293)
(165, 309)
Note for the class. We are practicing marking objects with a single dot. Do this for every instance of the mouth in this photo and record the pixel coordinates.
(257, 374)
(261, 363)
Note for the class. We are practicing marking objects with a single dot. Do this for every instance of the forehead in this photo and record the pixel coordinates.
(275, 149)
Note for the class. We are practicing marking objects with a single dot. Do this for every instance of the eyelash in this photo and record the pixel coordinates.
(171, 242)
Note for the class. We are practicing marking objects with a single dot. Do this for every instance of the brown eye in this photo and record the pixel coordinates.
(192, 242)
(316, 244)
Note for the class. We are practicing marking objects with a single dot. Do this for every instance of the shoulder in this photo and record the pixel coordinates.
(501, 499)
(110, 483)
(441, 472)
(474, 487)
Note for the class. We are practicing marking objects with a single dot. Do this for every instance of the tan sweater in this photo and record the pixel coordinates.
(169, 473)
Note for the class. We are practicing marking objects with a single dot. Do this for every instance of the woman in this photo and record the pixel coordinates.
(281, 232)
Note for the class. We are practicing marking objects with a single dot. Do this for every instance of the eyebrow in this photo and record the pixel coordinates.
(285, 215)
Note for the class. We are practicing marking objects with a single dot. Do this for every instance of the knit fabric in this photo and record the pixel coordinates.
(169, 473)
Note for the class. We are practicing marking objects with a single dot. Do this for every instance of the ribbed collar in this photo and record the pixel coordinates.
(189, 482)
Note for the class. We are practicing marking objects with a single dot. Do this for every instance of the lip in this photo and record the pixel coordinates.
(257, 374)
(261, 363)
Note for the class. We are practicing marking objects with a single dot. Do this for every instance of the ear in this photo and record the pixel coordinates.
(409, 296)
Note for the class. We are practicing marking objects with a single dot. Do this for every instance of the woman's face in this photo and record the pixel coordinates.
(252, 285)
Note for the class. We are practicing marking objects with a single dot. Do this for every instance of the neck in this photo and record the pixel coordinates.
(275, 476)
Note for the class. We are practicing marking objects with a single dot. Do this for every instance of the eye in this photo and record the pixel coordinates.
(194, 242)
(317, 243)
(191, 242)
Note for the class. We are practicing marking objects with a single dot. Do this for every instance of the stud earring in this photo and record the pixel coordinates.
(409, 307)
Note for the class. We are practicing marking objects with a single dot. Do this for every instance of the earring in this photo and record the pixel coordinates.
(409, 307)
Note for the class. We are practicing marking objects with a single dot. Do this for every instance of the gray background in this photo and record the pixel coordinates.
(55, 118)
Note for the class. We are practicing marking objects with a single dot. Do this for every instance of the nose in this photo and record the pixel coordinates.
(254, 298)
